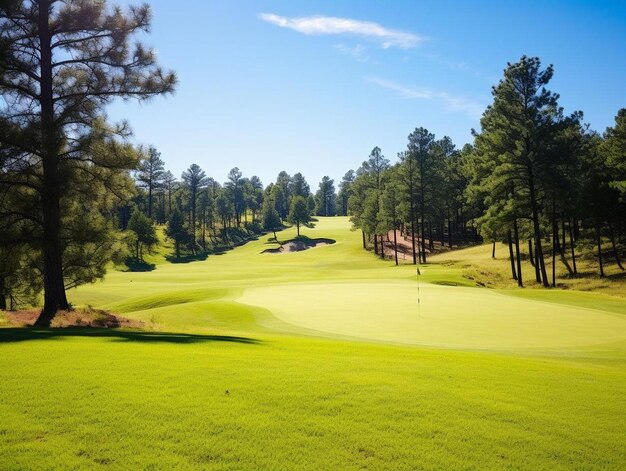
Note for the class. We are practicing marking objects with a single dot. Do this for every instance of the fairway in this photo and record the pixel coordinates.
(318, 360)
(456, 317)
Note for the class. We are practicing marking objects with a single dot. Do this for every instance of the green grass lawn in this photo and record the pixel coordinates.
(328, 364)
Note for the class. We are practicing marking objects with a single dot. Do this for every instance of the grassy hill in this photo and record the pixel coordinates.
(320, 359)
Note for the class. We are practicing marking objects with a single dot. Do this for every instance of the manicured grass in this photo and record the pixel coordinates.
(328, 365)
(457, 317)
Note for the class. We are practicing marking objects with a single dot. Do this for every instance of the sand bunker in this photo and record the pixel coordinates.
(298, 245)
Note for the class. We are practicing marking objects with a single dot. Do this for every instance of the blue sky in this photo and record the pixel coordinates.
(313, 86)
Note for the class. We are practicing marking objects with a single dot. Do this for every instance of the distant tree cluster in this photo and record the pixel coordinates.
(532, 173)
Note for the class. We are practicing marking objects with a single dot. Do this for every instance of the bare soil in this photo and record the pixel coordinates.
(405, 248)
(94, 318)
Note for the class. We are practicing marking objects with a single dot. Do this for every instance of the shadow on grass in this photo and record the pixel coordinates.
(135, 266)
(25, 333)
(187, 258)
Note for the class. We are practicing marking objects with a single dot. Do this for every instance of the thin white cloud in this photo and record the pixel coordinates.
(357, 52)
(451, 102)
(330, 25)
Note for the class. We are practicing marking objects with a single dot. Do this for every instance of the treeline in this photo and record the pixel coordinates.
(532, 174)
(201, 214)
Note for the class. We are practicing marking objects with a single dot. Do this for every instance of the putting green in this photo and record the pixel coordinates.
(456, 317)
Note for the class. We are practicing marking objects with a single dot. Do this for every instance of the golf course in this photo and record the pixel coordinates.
(326, 358)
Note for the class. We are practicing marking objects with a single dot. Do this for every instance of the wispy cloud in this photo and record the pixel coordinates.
(330, 25)
(357, 52)
(451, 102)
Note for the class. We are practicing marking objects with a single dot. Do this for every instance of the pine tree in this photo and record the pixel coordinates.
(62, 63)
(177, 231)
(518, 131)
(151, 174)
(299, 212)
(271, 218)
(144, 234)
(195, 180)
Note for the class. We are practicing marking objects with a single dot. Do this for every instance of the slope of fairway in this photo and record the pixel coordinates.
(254, 366)
(341, 290)
(447, 316)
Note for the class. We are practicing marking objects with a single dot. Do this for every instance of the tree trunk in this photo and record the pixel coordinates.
(375, 244)
(571, 241)
(599, 242)
(511, 257)
(163, 218)
(395, 246)
(615, 251)
(298, 228)
(193, 221)
(363, 234)
(419, 245)
(423, 240)
(493, 249)
(449, 232)
(562, 247)
(531, 255)
(431, 244)
(555, 242)
(3, 299)
(520, 281)
(54, 287)
(422, 211)
(150, 197)
(412, 216)
(203, 233)
(537, 229)
(539, 266)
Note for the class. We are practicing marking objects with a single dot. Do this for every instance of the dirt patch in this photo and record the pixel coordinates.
(298, 245)
(94, 318)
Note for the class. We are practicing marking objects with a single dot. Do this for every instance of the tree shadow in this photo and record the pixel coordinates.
(25, 333)
(135, 266)
(617, 276)
(187, 258)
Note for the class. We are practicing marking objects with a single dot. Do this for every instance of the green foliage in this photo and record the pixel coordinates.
(344, 193)
(299, 213)
(144, 233)
(270, 217)
(178, 232)
(325, 198)
(151, 174)
(614, 150)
